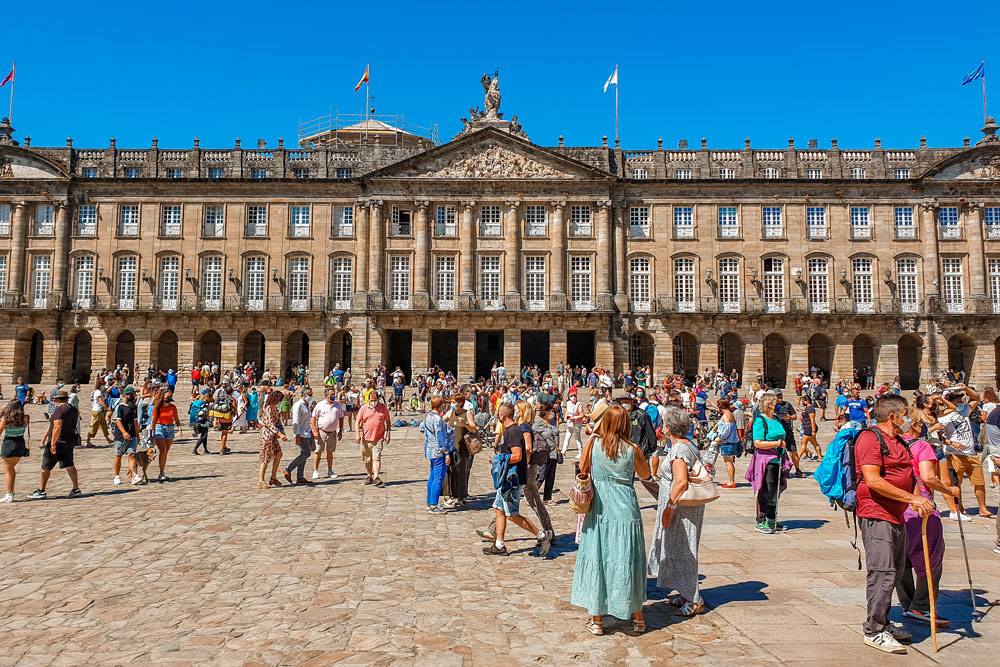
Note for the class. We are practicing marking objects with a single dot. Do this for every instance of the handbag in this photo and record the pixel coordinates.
(582, 494)
(701, 488)
(473, 443)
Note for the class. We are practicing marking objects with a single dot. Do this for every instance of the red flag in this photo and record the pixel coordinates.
(363, 78)
(10, 77)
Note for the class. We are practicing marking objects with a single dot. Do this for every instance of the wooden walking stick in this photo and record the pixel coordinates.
(930, 582)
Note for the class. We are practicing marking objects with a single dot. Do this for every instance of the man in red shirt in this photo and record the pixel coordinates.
(374, 425)
(885, 489)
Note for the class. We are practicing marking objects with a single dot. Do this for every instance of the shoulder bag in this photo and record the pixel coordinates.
(701, 488)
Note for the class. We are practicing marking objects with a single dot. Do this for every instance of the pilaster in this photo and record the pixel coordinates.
(376, 255)
(467, 256)
(977, 260)
(621, 295)
(512, 232)
(361, 246)
(603, 251)
(421, 296)
(18, 243)
(57, 292)
(512, 352)
(557, 231)
(557, 347)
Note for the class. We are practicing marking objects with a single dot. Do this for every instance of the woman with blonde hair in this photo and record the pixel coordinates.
(536, 452)
(610, 572)
(769, 466)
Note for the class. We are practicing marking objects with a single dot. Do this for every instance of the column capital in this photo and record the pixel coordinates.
(603, 203)
(375, 203)
(558, 203)
(928, 206)
(422, 204)
(20, 205)
(363, 202)
(512, 205)
(468, 204)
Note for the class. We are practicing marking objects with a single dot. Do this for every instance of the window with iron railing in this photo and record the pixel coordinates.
(4, 219)
(83, 281)
(444, 222)
(255, 282)
(640, 296)
(903, 222)
(771, 218)
(684, 284)
(948, 219)
(683, 222)
(489, 280)
(729, 284)
(861, 287)
(638, 222)
(906, 285)
(298, 283)
(579, 220)
(169, 282)
(399, 222)
(534, 282)
(170, 221)
(580, 282)
(128, 220)
(299, 227)
(489, 221)
(3, 273)
(818, 285)
(991, 217)
(41, 280)
(215, 222)
(343, 222)
(993, 271)
(816, 222)
(860, 223)
(399, 281)
(86, 220)
(729, 227)
(342, 283)
(774, 284)
(45, 216)
(534, 220)
(256, 221)
(952, 284)
(444, 281)
(125, 280)
(211, 283)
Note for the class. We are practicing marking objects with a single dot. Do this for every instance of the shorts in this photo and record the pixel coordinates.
(969, 466)
(730, 449)
(326, 442)
(63, 456)
(165, 431)
(13, 448)
(123, 447)
(351, 408)
(371, 452)
(510, 504)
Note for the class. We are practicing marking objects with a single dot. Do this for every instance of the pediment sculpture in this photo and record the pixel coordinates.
(495, 162)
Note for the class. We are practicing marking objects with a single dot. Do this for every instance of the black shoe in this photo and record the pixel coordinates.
(37, 494)
(195, 452)
(493, 551)
(75, 493)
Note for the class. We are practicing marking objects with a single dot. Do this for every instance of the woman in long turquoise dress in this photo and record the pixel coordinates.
(253, 404)
(610, 573)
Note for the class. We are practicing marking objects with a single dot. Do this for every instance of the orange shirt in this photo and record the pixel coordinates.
(167, 414)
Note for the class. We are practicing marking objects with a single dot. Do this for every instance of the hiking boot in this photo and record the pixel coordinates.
(492, 550)
(883, 641)
(764, 527)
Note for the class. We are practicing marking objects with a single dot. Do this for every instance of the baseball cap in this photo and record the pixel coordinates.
(128, 390)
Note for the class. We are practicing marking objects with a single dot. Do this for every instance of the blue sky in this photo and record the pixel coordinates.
(719, 70)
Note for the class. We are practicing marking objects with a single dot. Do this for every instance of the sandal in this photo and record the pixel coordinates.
(638, 626)
(676, 601)
(260, 485)
(690, 609)
(594, 628)
(274, 482)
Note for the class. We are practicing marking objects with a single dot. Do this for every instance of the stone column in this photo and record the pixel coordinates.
(57, 293)
(621, 292)
(604, 254)
(557, 236)
(361, 247)
(512, 279)
(18, 243)
(977, 261)
(467, 257)
(421, 295)
(376, 252)
(929, 241)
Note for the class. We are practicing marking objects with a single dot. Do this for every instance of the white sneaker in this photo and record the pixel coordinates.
(954, 516)
(883, 641)
(333, 475)
(996, 550)
(118, 479)
(315, 474)
(136, 479)
(9, 498)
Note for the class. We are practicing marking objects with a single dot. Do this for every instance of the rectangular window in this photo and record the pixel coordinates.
(579, 283)
(774, 284)
(343, 221)
(132, 173)
(128, 220)
(299, 227)
(857, 173)
(255, 278)
(771, 217)
(258, 173)
(901, 174)
(489, 281)
(489, 220)
(729, 227)
(298, 283)
(83, 281)
(126, 281)
(991, 216)
(906, 279)
(579, 220)
(215, 222)
(638, 221)
(864, 298)
(681, 174)
(399, 222)
(727, 173)
(300, 173)
(903, 221)
(170, 273)
(860, 223)
(639, 293)
(639, 174)
(771, 172)
(684, 284)
(534, 220)
(343, 173)
(3, 273)
(534, 282)
(216, 172)
(814, 174)
(683, 222)
(90, 172)
(819, 291)
(342, 284)
(256, 221)
(86, 220)
(729, 284)
(211, 283)
(948, 219)
(994, 278)
(444, 282)
(399, 281)
(444, 222)
(170, 221)
(41, 280)
(44, 220)
(4, 219)
(954, 295)
(816, 222)
(175, 173)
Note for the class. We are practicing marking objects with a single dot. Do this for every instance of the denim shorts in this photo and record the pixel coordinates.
(123, 447)
(732, 449)
(509, 504)
(165, 431)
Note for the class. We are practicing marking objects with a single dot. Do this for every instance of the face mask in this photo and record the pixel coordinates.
(907, 424)
(62, 384)
(169, 399)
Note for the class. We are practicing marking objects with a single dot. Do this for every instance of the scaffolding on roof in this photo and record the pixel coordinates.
(340, 130)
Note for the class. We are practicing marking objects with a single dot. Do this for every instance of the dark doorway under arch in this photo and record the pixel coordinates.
(254, 348)
(80, 362)
(961, 354)
(910, 349)
(640, 350)
(776, 351)
(731, 352)
(125, 349)
(166, 351)
(821, 354)
(686, 350)
(210, 348)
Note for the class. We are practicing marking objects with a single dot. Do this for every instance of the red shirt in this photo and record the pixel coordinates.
(896, 468)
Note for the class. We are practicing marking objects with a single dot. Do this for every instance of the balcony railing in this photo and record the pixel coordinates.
(993, 231)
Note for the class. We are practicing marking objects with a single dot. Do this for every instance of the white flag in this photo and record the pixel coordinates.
(613, 79)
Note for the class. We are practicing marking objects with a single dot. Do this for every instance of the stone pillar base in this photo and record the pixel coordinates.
(420, 301)
(621, 302)
(558, 301)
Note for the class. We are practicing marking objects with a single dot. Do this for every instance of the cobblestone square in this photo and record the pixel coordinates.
(207, 569)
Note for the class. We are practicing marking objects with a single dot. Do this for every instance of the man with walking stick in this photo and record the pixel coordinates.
(884, 490)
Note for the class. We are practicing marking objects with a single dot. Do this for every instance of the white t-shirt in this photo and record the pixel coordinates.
(958, 430)
(95, 400)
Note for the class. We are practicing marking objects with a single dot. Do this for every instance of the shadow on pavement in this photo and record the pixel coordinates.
(796, 524)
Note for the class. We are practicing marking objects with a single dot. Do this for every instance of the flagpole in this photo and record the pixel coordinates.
(13, 69)
(616, 102)
(983, 78)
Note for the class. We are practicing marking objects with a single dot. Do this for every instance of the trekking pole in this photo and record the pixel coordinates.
(930, 582)
(968, 572)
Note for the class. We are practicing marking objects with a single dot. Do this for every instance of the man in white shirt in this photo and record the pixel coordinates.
(575, 421)
(327, 428)
(957, 403)
(605, 381)
(302, 430)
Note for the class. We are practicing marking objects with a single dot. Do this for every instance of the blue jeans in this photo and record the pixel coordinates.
(435, 480)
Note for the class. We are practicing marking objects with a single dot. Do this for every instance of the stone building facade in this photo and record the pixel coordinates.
(490, 247)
